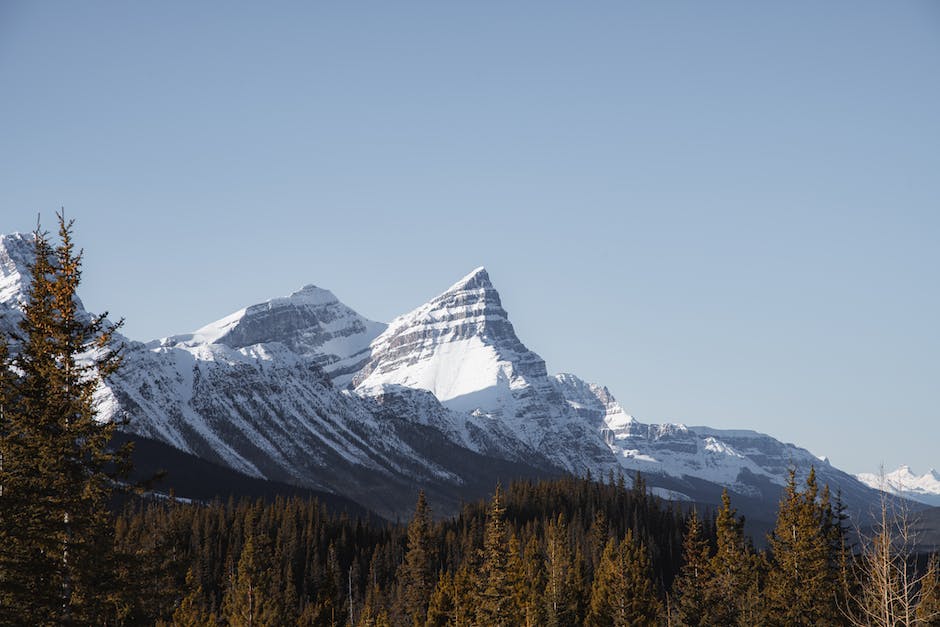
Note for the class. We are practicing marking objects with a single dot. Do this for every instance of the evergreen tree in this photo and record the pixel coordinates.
(247, 601)
(416, 570)
(622, 593)
(597, 538)
(732, 594)
(441, 607)
(689, 597)
(559, 589)
(56, 558)
(801, 586)
(841, 553)
(533, 584)
(518, 585)
(495, 597)
(192, 611)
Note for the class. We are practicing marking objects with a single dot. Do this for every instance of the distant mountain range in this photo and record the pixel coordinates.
(903, 482)
(306, 391)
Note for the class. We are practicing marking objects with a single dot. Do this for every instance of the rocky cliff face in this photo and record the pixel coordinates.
(461, 347)
(311, 322)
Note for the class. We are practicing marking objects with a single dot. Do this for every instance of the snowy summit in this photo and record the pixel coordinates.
(904, 482)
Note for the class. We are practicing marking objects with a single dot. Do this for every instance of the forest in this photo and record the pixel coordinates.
(570, 551)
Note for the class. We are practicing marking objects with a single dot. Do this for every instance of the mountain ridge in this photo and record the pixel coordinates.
(904, 482)
(305, 390)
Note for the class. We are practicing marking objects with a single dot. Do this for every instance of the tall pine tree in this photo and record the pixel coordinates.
(732, 594)
(495, 597)
(801, 584)
(416, 571)
(560, 594)
(56, 554)
(689, 598)
(623, 592)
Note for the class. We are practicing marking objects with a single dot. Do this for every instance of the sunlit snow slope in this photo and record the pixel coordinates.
(903, 482)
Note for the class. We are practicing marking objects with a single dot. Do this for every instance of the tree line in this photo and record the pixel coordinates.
(563, 552)
(571, 551)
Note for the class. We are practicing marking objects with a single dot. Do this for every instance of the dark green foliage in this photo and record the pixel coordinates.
(732, 596)
(518, 560)
(623, 593)
(56, 475)
(416, 575)
(494, 599)
(689, 589)
(803, 577)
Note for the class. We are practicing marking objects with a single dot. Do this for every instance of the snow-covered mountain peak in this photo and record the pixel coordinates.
(310, 295)
(460, 346)
(478, 278)
(16, 253)
(311, 322)
(905, 482)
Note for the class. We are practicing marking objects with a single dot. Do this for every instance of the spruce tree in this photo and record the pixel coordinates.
(560, 601)
(246, 601)
(841, 552)
(416, 577)
(732, 593)
(689, 588)
(534, 569)
(192, 611)
(801, 585)
(623, 593)
(495, 596)
(442, 605)
(56, 552)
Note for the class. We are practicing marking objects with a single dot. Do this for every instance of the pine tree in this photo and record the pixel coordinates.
(732, 594)
(416, 571)
(520, 585)
(559, 589)
(533, 584)
(192, 611)
(801, 586)
(441, 604)
(247, 601)
(495, 597)
(622, 593)
(690, 603)
(56, 553)
(597, 537)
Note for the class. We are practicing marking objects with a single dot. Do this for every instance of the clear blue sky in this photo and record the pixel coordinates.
(729, 213)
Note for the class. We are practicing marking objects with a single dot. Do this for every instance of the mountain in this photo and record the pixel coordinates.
(255, 392)
(311, 322)
(16, 252)
(461, 348)
(904, 482)
(304, 390)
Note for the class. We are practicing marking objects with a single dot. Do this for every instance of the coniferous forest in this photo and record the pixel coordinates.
(571, 551)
